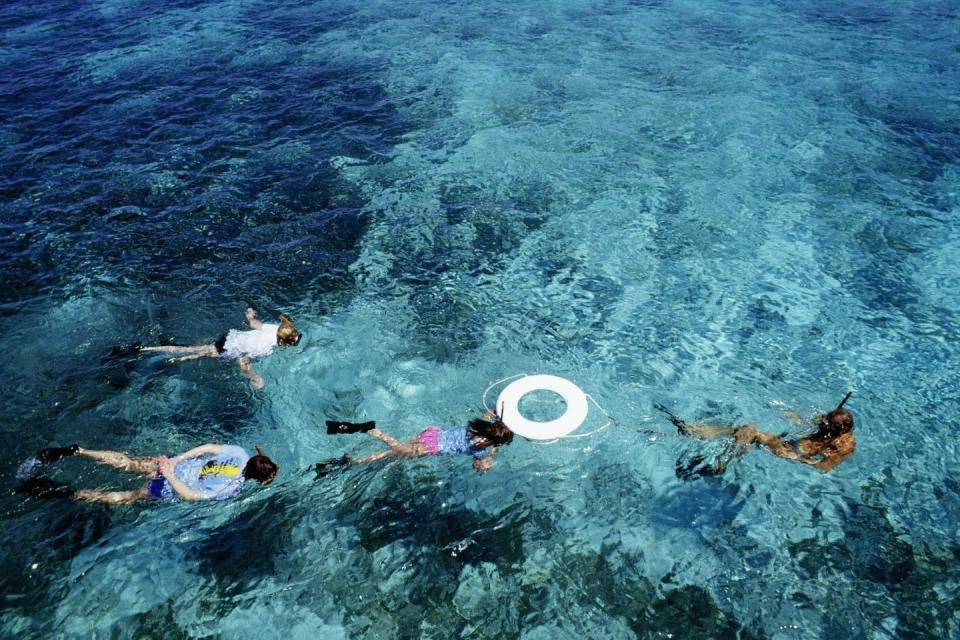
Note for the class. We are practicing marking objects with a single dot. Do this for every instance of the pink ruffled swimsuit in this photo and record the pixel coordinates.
(448, 441)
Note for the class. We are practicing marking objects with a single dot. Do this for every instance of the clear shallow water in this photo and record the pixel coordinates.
(717, 206)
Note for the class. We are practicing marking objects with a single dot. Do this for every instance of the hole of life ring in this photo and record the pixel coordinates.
(541, 405)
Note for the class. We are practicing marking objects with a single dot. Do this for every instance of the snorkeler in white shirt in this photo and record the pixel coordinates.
(243, 346)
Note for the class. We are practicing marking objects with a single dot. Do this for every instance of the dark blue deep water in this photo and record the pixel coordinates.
(731, 208)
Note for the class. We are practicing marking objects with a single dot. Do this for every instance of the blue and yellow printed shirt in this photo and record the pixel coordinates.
(218, 477)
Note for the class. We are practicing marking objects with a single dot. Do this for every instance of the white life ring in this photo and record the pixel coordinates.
(508, 404)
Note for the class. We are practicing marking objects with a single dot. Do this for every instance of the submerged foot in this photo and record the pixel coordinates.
(40, 487)
(332, 466)
(339, 427)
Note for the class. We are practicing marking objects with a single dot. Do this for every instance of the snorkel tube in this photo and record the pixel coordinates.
(836, 422)
(844, 401)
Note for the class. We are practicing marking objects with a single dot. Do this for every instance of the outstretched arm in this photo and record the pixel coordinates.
(777, 446)
(196, 452)
(830, 462)
(707, 431)
(251, 316)
(255, 380)
(781, 449)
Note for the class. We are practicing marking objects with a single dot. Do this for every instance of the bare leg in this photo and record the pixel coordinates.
(706, 431)
(375, 457)
(146, 466)
(743, 437)
(411, 449)
(199, 350)
(190, 357)
(386, 438)
(110, 497)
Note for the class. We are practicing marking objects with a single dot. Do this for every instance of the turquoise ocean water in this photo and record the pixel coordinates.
(729, 208)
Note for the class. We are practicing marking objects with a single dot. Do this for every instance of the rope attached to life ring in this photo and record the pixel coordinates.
(484, 399)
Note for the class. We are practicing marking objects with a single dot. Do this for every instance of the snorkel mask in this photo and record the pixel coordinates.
(826, 425)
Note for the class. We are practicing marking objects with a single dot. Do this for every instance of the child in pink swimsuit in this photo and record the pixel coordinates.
(479, 440)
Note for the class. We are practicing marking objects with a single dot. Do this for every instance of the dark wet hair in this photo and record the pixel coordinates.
(494, 433)
(833, 424)
(260, 468)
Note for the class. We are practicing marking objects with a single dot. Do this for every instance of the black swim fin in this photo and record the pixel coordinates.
(677, 422)
(52, 454)
(329, 467)
(338, 427)
(124, 350)
(697, 467)
(40, 487)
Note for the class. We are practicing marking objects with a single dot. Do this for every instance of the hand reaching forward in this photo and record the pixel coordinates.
(483, 465)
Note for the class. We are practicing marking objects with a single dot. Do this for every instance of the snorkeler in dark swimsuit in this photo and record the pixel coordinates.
(825, 448)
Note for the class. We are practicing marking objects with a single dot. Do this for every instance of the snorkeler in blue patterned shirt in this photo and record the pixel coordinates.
(207, 472)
